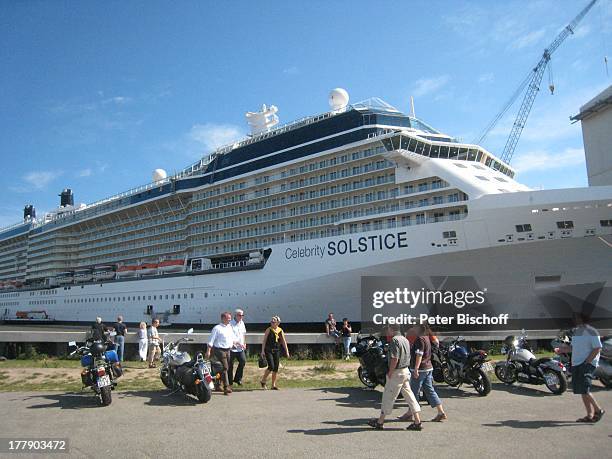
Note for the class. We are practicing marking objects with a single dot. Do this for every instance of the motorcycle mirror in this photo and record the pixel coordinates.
(190, 331)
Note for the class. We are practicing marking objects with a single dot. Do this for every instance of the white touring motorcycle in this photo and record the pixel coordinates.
(180, 372)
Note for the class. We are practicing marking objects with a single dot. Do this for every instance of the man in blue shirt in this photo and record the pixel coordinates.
(585, 349)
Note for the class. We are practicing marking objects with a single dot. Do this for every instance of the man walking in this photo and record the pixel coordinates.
(398, 379)
(238, 351)
(121, 330)
(154, 341)
(585, 349)
(221, 340)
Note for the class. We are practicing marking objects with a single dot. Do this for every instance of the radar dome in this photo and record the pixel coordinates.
(159, 175)
(338, 99)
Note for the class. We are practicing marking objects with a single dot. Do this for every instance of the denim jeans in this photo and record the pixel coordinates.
(346, 340)
(425, 380)
(119, 346)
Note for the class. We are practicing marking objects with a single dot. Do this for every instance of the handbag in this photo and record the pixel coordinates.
(262, 362)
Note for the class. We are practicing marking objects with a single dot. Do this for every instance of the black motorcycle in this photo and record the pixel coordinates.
(457, 366)
(180, 372)
(372, 354)
(101, 368)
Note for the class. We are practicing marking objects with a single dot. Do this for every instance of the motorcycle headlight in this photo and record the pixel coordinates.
(353, 350)
(515, 342)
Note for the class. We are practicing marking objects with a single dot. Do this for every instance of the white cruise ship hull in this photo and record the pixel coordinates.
(304, 281)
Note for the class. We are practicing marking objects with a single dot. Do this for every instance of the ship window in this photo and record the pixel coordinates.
(172, 296)
(478, 166)
(565, 224)
(426, 149)
(523, 228)
(419, 148)
(166, 296)
(412, 146)
(460, 165)
(205, 295)
(605, 222)
(500, 179)
(483, 178)
(444, 152)
(435, 151)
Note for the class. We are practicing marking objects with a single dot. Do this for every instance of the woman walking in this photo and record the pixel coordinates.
(346, 338)
(422, 370)
(273, 339)
(143, 342)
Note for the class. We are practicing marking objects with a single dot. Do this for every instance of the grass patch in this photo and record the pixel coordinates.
(325, 367)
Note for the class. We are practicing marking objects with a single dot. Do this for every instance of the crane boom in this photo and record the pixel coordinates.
(534, 86)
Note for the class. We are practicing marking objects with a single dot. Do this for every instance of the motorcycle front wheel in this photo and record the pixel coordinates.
(105, 398)
(481, 382)
(203, 392)
(555, 381)
(448, 376)
(363, 377)
(505, 374)
(165, 378)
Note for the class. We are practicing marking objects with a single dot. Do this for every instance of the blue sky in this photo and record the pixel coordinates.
(95, 95)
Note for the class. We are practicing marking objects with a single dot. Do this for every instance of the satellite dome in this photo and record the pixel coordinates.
(338, 99)
(159, 175)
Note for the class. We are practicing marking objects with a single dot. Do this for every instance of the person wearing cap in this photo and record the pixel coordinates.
(238, 351)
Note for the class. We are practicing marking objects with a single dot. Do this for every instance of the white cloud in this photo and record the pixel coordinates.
(212, 136)
(293, 70)
(486, 77)
(84, 172)
(425, 86)
(528, 39)
(545, 160)
(36, 180)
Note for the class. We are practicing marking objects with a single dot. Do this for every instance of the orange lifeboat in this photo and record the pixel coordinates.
(147, 269)
(172, 266)
(126, 271)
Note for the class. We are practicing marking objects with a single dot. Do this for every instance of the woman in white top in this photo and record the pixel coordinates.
(143, 342)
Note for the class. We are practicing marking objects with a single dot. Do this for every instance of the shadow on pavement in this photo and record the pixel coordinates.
(529, 390)
(66, 401)
(516, 424)
(346, 427)
(163, 398)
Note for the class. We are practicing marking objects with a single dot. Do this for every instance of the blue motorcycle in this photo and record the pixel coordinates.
(101, 368)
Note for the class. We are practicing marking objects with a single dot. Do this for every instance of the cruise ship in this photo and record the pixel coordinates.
(289, 220)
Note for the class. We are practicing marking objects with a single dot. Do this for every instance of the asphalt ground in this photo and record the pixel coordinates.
(517, 421)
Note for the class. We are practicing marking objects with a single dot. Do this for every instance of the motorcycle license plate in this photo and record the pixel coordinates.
(104, 381)
(550, 380)
(487, 367)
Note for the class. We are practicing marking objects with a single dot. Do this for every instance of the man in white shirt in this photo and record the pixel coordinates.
(221, 340)
(238, 351)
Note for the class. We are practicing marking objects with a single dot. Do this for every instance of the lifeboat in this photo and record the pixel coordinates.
(147, 269)
(103, 273)
(172, 266)
(126, 271)
(82, 275)
(64, 278)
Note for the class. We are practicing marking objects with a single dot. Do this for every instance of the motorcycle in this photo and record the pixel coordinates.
(521, 365)
(458, 366)
(372, 354)
(180, 372)
(101, 368)
(603, 372)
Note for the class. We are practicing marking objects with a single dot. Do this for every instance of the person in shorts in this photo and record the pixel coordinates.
(585, 349)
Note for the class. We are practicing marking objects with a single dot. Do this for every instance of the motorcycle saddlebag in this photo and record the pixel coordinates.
(86, 360)
(112, 356)
(216, 367)
(117, 370)
(86, 378)
(185, 375)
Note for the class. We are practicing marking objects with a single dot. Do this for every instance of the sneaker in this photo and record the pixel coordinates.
(418, 427)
